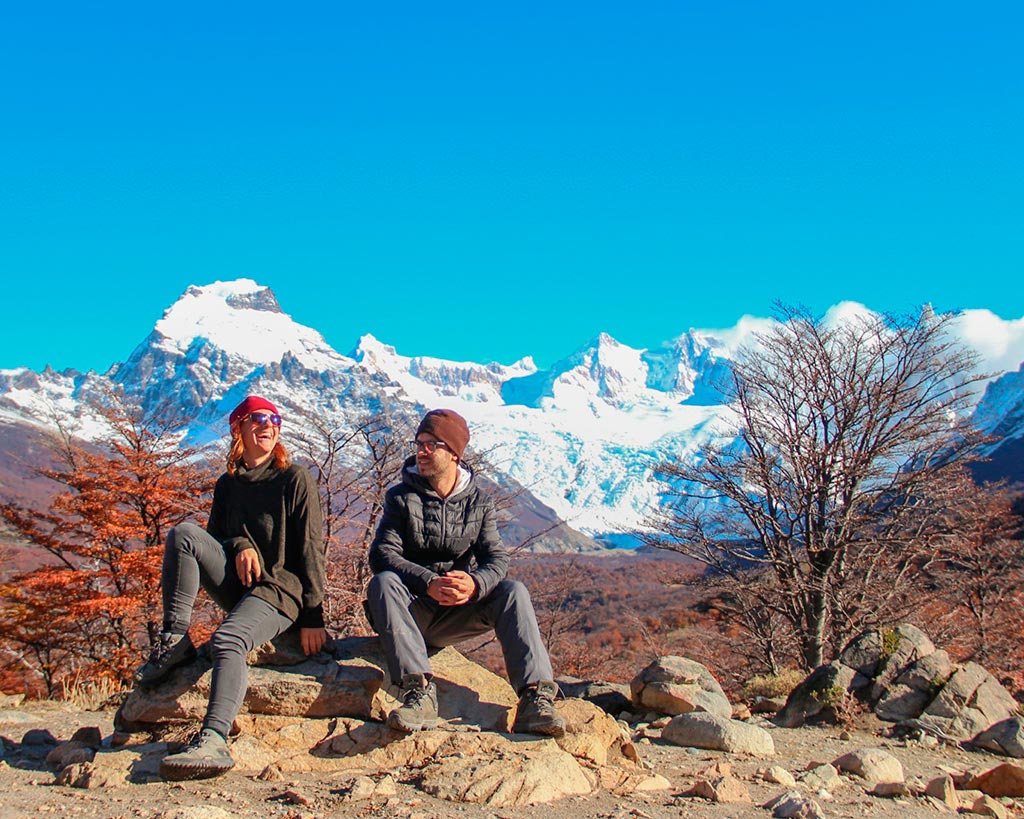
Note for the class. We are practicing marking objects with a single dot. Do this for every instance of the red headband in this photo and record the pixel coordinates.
(251, 404)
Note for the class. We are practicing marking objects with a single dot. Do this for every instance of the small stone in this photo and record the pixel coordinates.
(724, 790)
(890, 789)
(362, 787)
(1003, 780)
(943, 789)
(987, 806)
(69, 753)
(386, 787)
(272, 773)
(873, 764)
(293, 796)
(793, 805)
(91, 737)
(38, 737)
(778, 775)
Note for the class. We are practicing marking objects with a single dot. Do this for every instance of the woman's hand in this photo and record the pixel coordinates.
(247, 564)
(313, 639)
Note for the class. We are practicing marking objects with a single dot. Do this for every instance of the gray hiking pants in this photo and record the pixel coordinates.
(193, 558)
(408, 625)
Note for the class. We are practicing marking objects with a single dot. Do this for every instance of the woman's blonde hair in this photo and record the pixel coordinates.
(279, 455)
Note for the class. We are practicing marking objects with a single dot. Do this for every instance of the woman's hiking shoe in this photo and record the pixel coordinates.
(418, 711)
(536, 713)
(206, 755)
(170, 651)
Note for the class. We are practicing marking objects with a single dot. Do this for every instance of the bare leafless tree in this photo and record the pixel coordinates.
(980, 576)
(849, 436)
(353, 465)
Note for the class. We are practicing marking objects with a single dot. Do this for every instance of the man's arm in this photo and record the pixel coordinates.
(490, 552)
(387, 552)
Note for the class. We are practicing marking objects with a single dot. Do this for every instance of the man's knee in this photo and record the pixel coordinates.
(512, 594)
(384, 584)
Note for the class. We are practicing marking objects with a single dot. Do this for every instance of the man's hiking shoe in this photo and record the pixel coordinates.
(206, 755)
(536, 713)
(418, 710)
(170, 651)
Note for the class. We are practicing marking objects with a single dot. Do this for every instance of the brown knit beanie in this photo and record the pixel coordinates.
(448, 426)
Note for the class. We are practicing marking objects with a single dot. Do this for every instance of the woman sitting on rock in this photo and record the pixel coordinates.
(260, 559)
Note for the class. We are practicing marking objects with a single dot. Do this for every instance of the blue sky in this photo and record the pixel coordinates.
(487, 181)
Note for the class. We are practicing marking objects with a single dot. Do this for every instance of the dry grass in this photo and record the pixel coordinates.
(773, 685)
(88, 695)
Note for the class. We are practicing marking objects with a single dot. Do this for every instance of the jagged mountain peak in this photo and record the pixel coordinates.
(242, 320)
(584, 435)
(242, 294)
(370, 348)
(424, 378)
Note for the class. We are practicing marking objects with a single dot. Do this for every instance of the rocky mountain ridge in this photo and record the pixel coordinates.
(583, 436)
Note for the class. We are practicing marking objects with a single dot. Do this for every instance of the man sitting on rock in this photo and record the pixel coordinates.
(439, 577)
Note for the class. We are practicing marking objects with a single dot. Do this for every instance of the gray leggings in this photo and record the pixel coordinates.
(193, 557)
(407, 625)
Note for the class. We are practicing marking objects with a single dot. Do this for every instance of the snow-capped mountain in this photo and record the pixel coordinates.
(582, 436)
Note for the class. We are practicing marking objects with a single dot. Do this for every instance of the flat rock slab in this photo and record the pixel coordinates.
(346, 681)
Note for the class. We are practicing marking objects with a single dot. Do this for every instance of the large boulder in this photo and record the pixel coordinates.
(969, 703)
(911, 692)
(1005, 737)
(875, 765)
(903, 646)
(899, 672)
(611, 697)
(700, 729)
(346, 680)
(675, 685)
(817, 695)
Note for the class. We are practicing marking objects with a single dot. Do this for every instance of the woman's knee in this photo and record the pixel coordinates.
(183, 534)
(226, 642)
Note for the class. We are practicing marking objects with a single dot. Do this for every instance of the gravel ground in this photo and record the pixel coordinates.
(27, 787)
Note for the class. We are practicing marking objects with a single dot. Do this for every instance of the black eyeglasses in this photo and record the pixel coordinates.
(428, 446)
(265, 418)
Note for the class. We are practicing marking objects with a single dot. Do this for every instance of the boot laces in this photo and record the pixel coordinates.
(413, 697)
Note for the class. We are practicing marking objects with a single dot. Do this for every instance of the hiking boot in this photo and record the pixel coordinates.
(170, 651)
(206, 755)
(418, 710)
(536, 713)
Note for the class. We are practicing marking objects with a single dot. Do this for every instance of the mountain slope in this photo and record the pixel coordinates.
(582, 437)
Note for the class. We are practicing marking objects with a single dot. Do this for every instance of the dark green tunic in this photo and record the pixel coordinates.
(276, 512)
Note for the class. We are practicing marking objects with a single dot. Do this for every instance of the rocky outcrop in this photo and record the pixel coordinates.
(900, 675)
(325, 714)
(345, 680)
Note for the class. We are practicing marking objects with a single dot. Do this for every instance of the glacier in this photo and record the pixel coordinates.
(583, 436)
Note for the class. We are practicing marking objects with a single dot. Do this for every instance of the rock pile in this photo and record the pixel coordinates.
(325, 714)
(900, 675)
